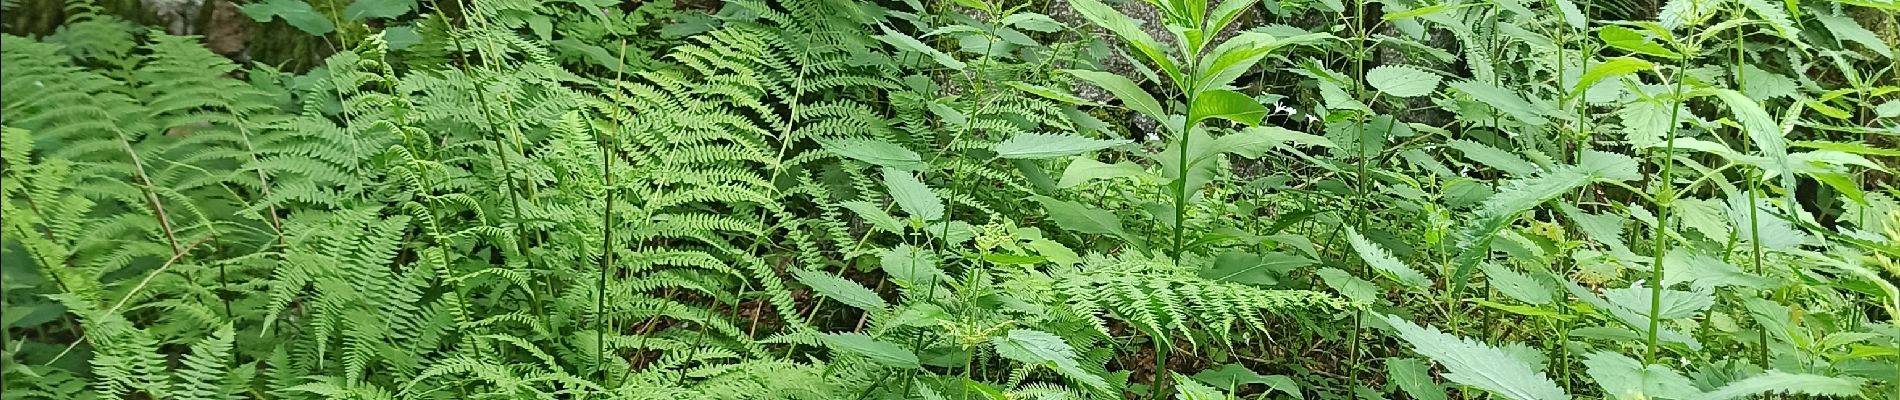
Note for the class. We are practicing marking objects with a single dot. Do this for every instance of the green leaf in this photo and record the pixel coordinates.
(843, 290)
(1081, 218)
(1516, 285)
(1783, 382)
(1236, 376)
(1478, 365)
(1572, 15)
(295, 12)
(1050, 93)
(912, 265)
(1493, 157)
(1610, 68)
(1253, 269)
(1032, 145)
(1035, 347)
(1633, 41)
(1675, 304)
(1402, 80)
(1355, 289)
(1764, 132)
(874, 152)
(1502, 100)
(881, 352)
(384, 9)
(1256, 141)
(1628, 379)
(875, 216)
(1414, 377)
(903, 41)
(401, 37)
(1226, 104)
(1129, 30)
(1131, 95)
(1377, 257)
(1083, 170)
(912, 196)
(1032, 22)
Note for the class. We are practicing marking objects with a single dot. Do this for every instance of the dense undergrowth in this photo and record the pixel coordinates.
(821, 199)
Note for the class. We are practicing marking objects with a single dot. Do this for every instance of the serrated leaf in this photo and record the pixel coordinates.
(1493, 157)
(1253, 269)
(1355, 289)
(1516, 285)
(385, 9)
(1633, 41)
(1382, 260)
(840, 289)
(1236, 376)
(1478, 365)
(1627, 379)
(1081, 218)
(1502, 100)
(295, 12)
(912, 265)
(874, 152)
(1131, 95)
(1034, 145)
(1414, 377)
(1032, 22)
(1610, 68)
(1783, 382)
(1083, 170)
(1402, 80)
(1129, 30)
(903, 41)
(912, 196)
(881, 352)
(1050, 93)
(1675, 304)
(1036, 347)
(1255, 141)
(874, 215)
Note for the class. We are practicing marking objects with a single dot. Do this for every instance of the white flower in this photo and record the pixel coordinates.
(1281, 109)
(1153, 137)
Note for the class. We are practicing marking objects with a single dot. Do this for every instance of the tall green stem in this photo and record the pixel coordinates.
(1665, 195)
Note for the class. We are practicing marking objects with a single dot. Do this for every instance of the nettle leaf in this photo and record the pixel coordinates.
(912, 265)
(903, 41)
(882, 352)
(1402, 80)
(1627, 379)
(1675, 304)
(1355, 289)
(1032, 22)
(1607, 69)
(295, 12)
(1516, 285)
(1083, 170)
(1377, 257)
(385, 9)
(1253, 269)
(1131, 95)
(1633, 41)
(1414, 377)
(1129, 30)
(1473, 363)
(912, 196)
(1676, 14)
(1081, 218)
(1255, 141)
(1236, 376)
(1047, 145)
(874, 215)
(1036, 347)
(1766, 134)
(843, 290)
(1050, 93)
(1493, 157)
(874, 152)
(1502, 100)
(1789, 383)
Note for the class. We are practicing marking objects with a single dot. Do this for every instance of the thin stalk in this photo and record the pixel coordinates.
(1665, 195)
(1754, 212)
(151, 194)
(606, 255)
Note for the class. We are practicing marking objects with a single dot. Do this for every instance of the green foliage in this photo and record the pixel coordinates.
(814, 199)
